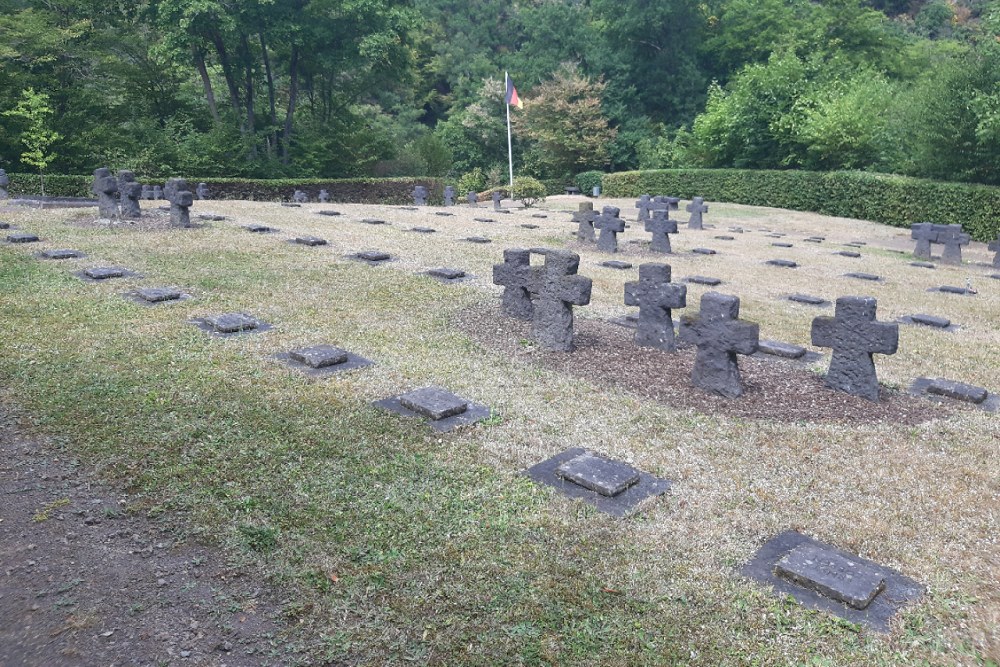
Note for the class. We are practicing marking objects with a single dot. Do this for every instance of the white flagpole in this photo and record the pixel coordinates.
(510, 150)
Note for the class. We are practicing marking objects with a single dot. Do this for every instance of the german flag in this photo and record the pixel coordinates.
(512, 98)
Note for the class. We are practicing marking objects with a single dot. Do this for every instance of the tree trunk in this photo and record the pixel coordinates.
(206, 81)
(227, 72)
(270, 93)
(250, 99)
(293, 94)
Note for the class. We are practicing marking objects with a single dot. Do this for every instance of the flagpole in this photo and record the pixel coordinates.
(510, 150)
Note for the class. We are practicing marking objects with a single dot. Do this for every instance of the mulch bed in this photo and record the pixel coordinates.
(775, 389)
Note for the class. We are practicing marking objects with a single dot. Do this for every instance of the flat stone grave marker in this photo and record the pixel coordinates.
(823, 577)
(737, 230)
(938, 388)
(855, 335)
(613, 487)
(871, 277)
(483, 220)
(448, 275)
(719, 335)
(228, 324)
(309, 240)
(260, 229)
(154, 295)
(995, 276)
(211, 217)
(529, 226)
(808, 300)
(927, 321)
(329, 213)
(478, 239)
(320, 360)
(372, 256)
(99, 273)
(290, 205)
(4, 225)
(616, 264)
(444, 410)
(922, 265)
(444, 213)
(952, 289)
(22, 238)
(782, 245)
(373, 221)
(703, 251)
(774, 235)
(814, 239)
(702, 280)
(725, 238)
(407, 208)
(779, 349)
(422, 230)
(855, 244)
(63, 253)
(848, 253)
(784, 263)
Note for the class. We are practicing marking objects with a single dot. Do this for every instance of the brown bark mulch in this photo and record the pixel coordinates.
(775, 389)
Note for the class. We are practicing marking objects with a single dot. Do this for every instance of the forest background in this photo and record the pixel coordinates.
(344, 88)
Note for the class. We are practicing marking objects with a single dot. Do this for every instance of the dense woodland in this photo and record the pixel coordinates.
(339, 88)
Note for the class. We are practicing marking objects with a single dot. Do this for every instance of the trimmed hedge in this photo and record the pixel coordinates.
(347, 190)
(894, 200)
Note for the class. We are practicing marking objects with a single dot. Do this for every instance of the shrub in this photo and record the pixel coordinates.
(472, 181)
(588, 180)
(894, 200)
(529, 190)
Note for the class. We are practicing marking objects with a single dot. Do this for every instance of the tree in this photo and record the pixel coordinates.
(38, 137)
(565, 122)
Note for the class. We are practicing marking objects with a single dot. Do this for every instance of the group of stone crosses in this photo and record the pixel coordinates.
(421, 194)
(118, 196)
(654, 213)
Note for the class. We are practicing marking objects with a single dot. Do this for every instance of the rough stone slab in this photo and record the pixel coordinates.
(539, 215)
(105, 272)
(318, 354)
(211, 217)
(725, 238)
(22, 238)
(372, 256)
(831, 575)
(373, 221)
(995, 276)
(702, 280)
(856, 244)
(951, 289)
(478, 239)
(928, 320)
(784, 263)
(848, 253)
(291, 205)
(443, 213)
(813, 239)
(260, 229)
(329, 213)
(621, 505)
(782, 244)
(942, 389)
(703, 251)
(230, 323)
(447, 274)
(808, 300)
(472, 413)
(61, 254)
(529, 226)
(597, 473)
(923, 265)
(422, 230)
(774, 235)
(864, 276)
(616, 264)
(434, 403)
(484, 220)
(309, 240)
(4, 225)
(158, 294)
(898, 591)
(784, 350)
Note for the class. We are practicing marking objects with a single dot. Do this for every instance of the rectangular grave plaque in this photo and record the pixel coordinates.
(597, 473)
(434, 403)
(319, 356)
(832, 575)
(231, 322)
(104, 272)
(158, 294)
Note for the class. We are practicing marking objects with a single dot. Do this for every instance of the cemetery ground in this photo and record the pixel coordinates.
(361, 537)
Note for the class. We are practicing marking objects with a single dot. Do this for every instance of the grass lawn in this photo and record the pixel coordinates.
(401, 546)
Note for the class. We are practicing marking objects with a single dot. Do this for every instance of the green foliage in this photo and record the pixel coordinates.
(588, 180)
(37, 137)
(472, 181)
(528, 190)
(895, 200)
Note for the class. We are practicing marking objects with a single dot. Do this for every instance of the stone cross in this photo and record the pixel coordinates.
(924, 234)
(180, 198)
(994, 246)
(855, 335)
(696, 208)
(644, 203)
(720, 335)
(584, 217)
(559, 289)
(953, 239)
(300, 197)
(106, 188)
(611, 226)
(659, 203)
(449, 196)
(202, 191)
(419, 195)
(324, 196)
(157, 192)
(661, 227)
(519, 280)
(130, 191)
(472, 198)
(147, 192)
(496, 200)
(4, 182)
(656, 296)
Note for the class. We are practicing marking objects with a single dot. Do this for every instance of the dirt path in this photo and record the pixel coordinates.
(85, 584)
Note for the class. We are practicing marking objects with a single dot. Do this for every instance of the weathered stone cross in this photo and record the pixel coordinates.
(994, 246)
(180, 198)
(419, 195)
(449, 196)
(696, 208)
(106, 188)
(644, 203)
(855, 335)
(559, 289)
(585, 219)
(496, 199)
(130, 191)
(720, 335)
(953, 239)
(519, 280)
(924, 234)
(656, 296)
(661, 227)
(611, 226)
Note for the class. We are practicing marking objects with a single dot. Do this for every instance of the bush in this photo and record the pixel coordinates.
(529, 190)
(894, 200)
(472, 181)
(588, 180)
